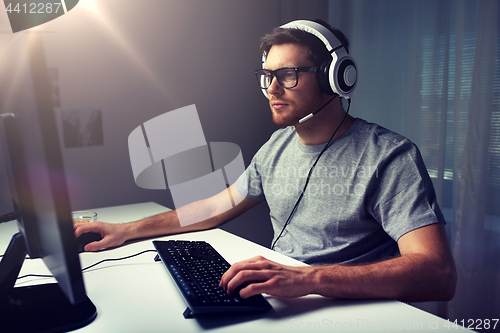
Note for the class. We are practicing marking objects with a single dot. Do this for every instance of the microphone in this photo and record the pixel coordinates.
(310, 115)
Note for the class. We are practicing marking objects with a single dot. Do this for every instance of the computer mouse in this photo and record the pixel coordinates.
(86, 238)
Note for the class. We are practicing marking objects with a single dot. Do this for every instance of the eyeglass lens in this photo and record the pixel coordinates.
(287, 77)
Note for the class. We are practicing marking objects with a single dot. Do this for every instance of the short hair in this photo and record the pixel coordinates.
(318, 52)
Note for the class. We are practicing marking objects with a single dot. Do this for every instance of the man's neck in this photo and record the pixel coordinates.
(320, 128)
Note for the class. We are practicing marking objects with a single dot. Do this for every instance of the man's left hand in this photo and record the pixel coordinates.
(261, 275)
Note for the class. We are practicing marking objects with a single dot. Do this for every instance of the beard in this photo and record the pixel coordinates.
(294, 111)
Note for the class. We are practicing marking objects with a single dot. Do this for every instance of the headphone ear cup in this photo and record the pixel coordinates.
(344, 76)
(324, 77)
(264, 59)
(264, 91)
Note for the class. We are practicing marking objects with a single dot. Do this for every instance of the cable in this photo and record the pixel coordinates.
(35, 275)
(93, 265)
(116, 259)
(309, 176)
(10, 217)
(3, 255)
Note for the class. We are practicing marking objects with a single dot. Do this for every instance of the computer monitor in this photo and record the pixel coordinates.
(31, 148)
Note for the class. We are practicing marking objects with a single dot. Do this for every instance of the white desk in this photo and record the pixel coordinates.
(138, 295)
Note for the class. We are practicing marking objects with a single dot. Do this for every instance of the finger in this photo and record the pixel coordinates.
(235, 269)
(255, 263)
(99, 245)
(82, 228)
(245, 264)
(245, 279)
(94, 246)
(254, 289)
(227, 276)
(77, 224)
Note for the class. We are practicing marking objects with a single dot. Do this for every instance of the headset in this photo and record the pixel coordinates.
(336, 75)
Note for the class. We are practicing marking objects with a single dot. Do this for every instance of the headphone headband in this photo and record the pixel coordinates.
(326, 36)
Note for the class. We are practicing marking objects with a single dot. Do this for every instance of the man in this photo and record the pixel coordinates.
(367, 222)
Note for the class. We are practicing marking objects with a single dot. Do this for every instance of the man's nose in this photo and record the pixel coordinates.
(275, 88)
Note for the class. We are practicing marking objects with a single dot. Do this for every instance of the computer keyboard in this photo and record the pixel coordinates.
(197, 268)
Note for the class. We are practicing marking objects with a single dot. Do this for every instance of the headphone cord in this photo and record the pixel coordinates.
(329, 143)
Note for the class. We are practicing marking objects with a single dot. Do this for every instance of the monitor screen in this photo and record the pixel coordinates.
(31, 150)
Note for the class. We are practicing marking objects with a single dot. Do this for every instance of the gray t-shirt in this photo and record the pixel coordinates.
(369, 188)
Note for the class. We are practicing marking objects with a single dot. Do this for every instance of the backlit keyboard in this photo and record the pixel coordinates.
(197, 268)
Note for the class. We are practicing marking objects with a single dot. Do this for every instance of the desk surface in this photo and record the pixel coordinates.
(138, 295)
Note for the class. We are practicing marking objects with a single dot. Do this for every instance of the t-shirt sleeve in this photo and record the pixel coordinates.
(402, 197)
(249, 184)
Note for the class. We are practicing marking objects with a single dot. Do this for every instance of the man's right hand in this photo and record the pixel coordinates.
(112, 234)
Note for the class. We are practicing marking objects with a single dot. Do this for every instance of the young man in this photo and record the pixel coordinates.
(368, 222)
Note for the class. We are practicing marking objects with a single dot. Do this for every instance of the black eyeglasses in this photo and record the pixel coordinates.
(288, 77)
